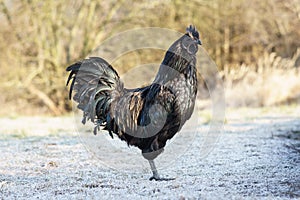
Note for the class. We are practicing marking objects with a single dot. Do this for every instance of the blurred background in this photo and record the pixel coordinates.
(255, 45)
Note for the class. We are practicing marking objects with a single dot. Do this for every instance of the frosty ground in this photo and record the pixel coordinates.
(256, 156)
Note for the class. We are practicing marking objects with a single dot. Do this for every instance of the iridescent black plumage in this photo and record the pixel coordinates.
(144, 117)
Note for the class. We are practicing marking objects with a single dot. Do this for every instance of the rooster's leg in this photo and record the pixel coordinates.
(155, 173)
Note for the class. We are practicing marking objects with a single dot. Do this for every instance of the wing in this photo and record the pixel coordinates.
(143, 114)
(159, 106)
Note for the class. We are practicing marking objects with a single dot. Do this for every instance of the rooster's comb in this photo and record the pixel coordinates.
(192, 30)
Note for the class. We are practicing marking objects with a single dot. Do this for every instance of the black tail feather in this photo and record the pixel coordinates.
(93, 80)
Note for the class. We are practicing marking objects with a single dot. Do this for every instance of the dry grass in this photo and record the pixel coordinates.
(271, 81)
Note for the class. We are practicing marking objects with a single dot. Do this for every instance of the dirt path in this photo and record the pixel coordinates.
(256, 157)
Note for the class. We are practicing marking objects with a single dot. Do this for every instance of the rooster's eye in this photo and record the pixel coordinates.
(196, 35)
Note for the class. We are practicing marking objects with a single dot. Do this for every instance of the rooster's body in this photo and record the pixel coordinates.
(144, 117)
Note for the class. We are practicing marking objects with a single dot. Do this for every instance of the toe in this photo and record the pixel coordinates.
(161, 179)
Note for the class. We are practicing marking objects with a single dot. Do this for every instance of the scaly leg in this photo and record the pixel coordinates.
(155, 173)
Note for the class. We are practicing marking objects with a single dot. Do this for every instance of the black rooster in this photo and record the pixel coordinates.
(144, 117)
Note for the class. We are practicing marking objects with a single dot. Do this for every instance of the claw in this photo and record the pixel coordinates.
(160, 179)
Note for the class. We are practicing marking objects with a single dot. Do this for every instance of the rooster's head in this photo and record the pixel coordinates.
(192, 32)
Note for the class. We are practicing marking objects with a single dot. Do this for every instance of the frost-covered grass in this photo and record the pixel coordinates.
(254, 158)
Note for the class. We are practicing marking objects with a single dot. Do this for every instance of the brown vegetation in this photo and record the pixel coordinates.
(273, 80)
(38, 39)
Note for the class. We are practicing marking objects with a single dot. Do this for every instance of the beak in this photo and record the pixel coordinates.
(199, 42)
